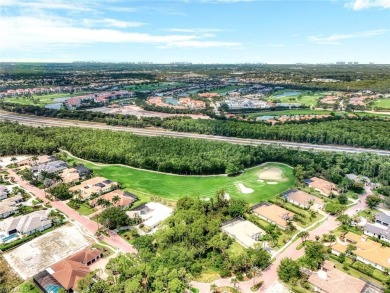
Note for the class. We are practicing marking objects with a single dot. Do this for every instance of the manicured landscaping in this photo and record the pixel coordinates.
(382, 103)
(42, 100)
(174, 187)
(305, 98)
(28, 287)
(84, 209)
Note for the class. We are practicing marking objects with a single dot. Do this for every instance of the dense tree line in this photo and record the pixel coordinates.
(184, 156)
(366, 132)
(362, 132)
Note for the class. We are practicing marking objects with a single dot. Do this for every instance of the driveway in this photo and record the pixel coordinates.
(91, 226)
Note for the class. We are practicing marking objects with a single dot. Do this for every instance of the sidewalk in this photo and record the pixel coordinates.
(91, 226)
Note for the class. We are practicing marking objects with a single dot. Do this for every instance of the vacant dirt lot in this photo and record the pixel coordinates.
(38, 254)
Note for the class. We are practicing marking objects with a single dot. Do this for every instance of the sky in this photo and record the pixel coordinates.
(197, 31)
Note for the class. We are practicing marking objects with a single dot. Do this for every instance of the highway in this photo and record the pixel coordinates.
(48, 122)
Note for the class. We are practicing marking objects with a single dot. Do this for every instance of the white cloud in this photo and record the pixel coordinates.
(365, 4)
(109, 22)
(46, 4)
(335, 39)
(30, 33)
(193, 30)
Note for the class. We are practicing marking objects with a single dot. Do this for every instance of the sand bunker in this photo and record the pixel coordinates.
(271, 173)
(272, 182)
(244, 189)
(260, 180)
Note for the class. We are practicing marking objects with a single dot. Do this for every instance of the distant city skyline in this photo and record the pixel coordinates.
(196, 31)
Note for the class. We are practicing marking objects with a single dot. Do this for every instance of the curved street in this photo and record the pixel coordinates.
(89, 225)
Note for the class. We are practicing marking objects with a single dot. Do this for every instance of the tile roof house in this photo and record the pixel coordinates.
(367, 251)
(10, 205)
(70, 270)
(380, 229)
(273, 213)
(40, 160)
(331, 280)
(126, 199)
(303, 199)
(27, 224)
(97, 185)
(323, 186)
(49, 167)
(75, 174)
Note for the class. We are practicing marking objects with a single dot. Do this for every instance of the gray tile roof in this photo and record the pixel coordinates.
(378, 230)
(382, 217)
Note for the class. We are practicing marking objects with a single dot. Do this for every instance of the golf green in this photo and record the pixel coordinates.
(247, 186)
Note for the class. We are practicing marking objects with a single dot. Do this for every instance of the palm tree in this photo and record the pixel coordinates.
(213, 288)
(234, 281)
(100, 202)
(256, 272)
(116, 199)
(332, 238)
(303, 235)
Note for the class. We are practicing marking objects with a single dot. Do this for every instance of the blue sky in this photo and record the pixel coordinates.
(199, 31)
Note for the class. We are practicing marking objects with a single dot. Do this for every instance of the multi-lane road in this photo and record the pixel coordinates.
(47, 122)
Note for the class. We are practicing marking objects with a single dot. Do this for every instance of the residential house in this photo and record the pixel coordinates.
(303, 199)
(363, 180)
(96, 185)
(331, 280)
(3, 192)
(273, 213)
(70, 270)
(75, 174)
(39, 160)
(126, 199)
(380, 229)
(152, 214)
(27, 224)
(323, 186)
(367, 251)
(245, 232)
(51, 167)
(9, 206)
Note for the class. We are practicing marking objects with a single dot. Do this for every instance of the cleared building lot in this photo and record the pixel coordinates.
(245, 232)
(38, 254)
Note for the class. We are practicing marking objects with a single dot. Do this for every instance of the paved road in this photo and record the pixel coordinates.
(91, 226)
(270, 275)
(44, 121)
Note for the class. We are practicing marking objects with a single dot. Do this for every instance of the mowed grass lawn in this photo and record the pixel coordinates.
(174, 187)
(304, 97)
(43, 99)
(382, 103)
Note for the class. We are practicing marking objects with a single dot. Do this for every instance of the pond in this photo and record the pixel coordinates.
(172, 101)
(287, 94)
(57, 105)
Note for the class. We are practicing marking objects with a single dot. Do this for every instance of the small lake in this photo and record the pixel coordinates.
(57, 105)
(172, 101)
(287, 94)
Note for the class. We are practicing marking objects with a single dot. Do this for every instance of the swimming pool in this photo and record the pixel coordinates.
(51, 288)
(9, 237)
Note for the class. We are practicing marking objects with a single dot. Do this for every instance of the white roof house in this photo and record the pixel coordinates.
(246, 233)
(153, 213)
(27, 224)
